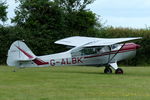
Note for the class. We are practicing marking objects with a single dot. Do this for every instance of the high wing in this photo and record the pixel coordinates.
(91, 41)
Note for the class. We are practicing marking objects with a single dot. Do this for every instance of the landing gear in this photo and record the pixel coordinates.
(119, 71)
(115, 67)
(107, 70)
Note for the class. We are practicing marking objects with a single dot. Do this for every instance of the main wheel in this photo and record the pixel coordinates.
(119, 71)
(107, 70)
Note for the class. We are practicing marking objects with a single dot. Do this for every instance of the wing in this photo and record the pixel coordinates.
(110, 41)
(76, 40)
(91, 41)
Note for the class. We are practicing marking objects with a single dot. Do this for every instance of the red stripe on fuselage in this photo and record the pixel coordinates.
(37, 60)
(126, 48)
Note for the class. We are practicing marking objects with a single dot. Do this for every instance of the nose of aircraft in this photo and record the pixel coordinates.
(130, 46)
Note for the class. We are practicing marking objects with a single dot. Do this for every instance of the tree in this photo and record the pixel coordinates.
(39, 14)
(74, 5)
(44, 19)
(79, 20)
(3, 12)
(82, 23)
(57, 15)
(49, 20)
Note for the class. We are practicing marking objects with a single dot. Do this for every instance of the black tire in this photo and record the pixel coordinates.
(107, 70)
(119, 71)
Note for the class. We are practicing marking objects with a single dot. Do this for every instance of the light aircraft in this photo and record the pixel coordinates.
(87, 51)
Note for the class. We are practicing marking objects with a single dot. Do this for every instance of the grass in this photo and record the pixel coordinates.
(74, 83)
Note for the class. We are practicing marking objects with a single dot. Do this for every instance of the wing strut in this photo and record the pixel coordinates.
(109, 59)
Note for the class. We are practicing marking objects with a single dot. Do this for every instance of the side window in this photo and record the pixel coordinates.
(104, 49)
(87, 51)
(116, 46)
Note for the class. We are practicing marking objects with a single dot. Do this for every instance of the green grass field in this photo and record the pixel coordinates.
(74, 83)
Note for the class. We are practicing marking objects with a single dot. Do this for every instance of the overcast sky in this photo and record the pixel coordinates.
(117, 13)
(124, 13)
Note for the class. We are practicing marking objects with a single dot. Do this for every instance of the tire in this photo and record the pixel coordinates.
(107, 70)
(119, 71)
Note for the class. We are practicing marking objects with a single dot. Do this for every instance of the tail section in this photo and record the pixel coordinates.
(19, 51)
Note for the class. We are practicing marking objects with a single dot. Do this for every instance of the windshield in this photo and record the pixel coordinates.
(116, 46)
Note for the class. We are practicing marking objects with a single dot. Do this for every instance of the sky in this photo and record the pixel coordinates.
(117, 13)
(123, 13)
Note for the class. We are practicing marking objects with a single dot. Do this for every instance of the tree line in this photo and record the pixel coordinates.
(41, 22)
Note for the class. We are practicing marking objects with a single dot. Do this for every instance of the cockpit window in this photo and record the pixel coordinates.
(115, 46)
(87, 51)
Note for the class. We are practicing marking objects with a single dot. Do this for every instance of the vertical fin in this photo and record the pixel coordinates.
(18, 51)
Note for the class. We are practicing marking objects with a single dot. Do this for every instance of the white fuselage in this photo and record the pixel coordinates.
(101, 57)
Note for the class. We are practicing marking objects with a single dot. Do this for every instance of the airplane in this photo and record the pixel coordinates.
(87, 51)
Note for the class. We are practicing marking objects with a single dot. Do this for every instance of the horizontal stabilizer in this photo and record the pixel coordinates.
(25, 60)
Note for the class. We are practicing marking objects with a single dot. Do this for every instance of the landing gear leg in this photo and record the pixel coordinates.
(107, 70)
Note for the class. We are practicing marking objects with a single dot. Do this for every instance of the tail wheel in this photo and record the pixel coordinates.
(119, 71)
(107, 70)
